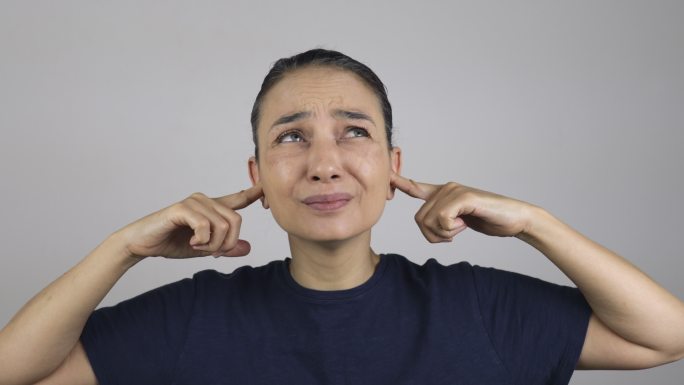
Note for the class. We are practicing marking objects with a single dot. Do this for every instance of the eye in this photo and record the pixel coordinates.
(356, 132)
(290, 136)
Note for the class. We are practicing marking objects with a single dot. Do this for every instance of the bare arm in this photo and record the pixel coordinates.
(41, 342)
(39, 338)
(75, 370)
(636, 322)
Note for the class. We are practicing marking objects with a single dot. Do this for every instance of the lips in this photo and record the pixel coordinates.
(327, 202)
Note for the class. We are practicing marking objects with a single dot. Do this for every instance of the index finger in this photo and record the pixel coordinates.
(242, 199)
(409, 186)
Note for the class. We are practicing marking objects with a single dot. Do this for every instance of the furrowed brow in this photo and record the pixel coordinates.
(291, 118)
(352, 115)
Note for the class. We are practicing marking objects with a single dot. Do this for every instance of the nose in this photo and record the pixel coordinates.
(324, 161)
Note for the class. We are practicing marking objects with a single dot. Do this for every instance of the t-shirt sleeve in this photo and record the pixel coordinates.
(537, 327)
(138, 341)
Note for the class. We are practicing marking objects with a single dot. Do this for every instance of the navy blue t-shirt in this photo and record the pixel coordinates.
(408, 324)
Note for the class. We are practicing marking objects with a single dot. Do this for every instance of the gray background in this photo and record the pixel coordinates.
(112, 110)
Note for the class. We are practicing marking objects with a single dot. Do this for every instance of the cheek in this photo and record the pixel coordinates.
(277, 177)
(371, 166)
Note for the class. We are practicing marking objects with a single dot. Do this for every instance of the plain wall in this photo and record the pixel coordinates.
(112, 110)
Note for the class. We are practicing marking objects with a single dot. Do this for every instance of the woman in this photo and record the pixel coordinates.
(337, 312)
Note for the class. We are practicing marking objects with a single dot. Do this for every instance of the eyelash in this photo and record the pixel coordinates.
(355, 128)
(280, 137)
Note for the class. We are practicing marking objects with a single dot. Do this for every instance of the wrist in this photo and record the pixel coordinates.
(538, 220)
(115, 249)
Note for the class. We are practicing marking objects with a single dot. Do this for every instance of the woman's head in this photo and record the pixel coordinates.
(325, 158)
(321, 58)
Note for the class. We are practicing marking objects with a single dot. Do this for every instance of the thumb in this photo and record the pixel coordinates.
(241, 249)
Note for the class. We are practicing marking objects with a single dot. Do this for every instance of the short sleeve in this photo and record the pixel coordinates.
(139, 340)
(537, 327)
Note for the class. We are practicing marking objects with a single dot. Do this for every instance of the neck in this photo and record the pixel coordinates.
(336, 265)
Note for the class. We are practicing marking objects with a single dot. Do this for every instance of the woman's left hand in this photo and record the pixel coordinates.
(451, 208)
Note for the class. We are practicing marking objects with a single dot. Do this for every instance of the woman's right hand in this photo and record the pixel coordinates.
(197, 226)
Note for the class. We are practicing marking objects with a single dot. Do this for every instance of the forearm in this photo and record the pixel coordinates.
(41, 335)
(623, 297)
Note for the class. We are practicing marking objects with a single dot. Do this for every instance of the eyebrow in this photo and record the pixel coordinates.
(291, 118)
(339, 114)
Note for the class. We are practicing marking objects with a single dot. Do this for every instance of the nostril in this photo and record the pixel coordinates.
(317, 178)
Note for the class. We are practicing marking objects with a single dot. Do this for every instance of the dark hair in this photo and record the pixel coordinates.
(322, 58)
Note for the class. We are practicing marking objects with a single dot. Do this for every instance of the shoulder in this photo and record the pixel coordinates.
(465, 272)
(247, 278)
(432, 270)
(242, 273)
(435, 279)
(429, 266)
(483, 282)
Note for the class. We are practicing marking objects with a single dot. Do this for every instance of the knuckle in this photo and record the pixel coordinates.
(203, 224)
(469, 194)
(222, 226)
(197, 196)
(228, 244)
(232, 218)
(177, 207)
(434, 227)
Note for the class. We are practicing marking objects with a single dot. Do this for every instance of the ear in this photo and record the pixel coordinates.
(253, 169)
(395, 164)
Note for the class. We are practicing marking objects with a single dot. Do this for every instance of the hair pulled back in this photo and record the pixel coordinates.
(321, 58)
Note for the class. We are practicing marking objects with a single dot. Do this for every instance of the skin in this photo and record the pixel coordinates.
(324, 154)
(635, 322)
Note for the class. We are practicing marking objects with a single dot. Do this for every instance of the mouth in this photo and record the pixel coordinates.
(327, 202)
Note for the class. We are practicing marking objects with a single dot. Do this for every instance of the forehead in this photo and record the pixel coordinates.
(319, 90)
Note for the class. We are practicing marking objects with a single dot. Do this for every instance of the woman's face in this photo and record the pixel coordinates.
(324, 162)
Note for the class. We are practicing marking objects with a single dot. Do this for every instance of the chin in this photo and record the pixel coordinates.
(335, 227)
(326, 234)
